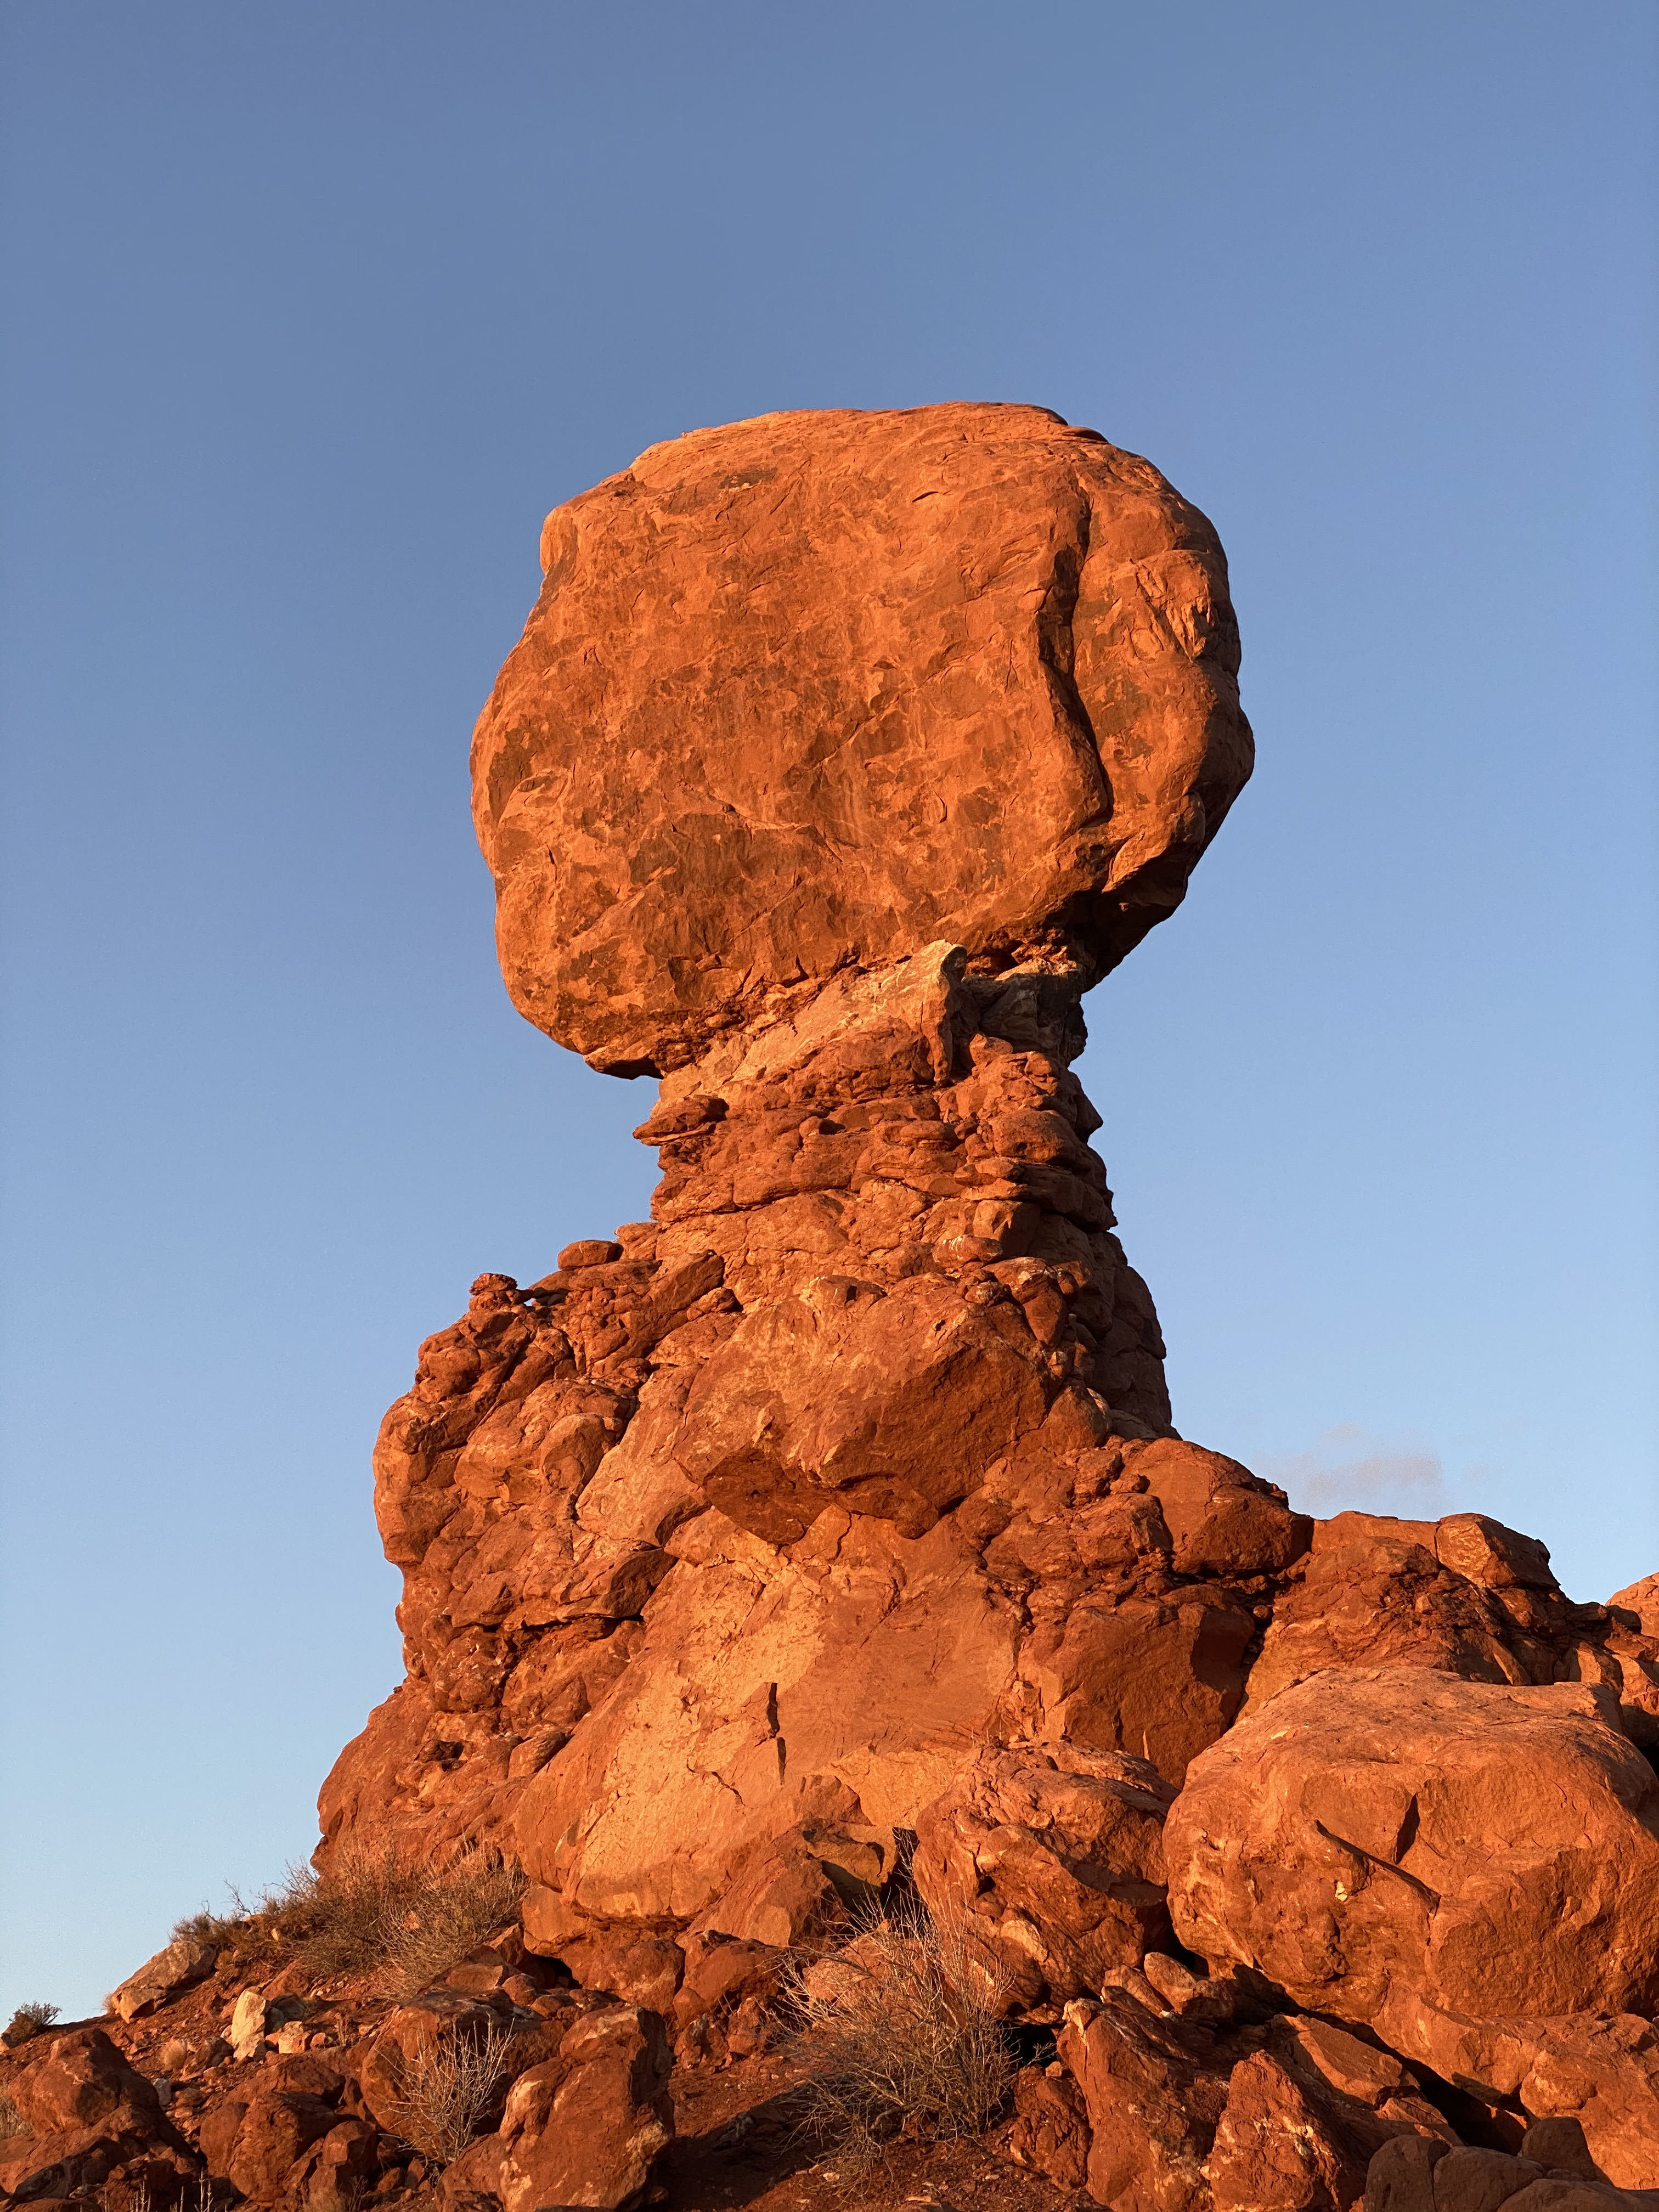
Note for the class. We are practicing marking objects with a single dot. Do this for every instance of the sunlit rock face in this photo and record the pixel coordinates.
(829, 1531)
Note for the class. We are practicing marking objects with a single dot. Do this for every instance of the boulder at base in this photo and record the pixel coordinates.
(1417, 1855)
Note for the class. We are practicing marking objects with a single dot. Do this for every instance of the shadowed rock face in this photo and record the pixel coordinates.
(816, 690)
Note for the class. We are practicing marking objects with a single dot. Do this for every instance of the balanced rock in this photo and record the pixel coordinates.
(918, 723)
(825, 1540)
(815, 690)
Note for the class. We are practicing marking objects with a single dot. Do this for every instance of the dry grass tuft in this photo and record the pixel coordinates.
(243, 1932)
(12, 2122)
(372, 1913)
(463, 1904)
(445, 2087)
(904, 2040)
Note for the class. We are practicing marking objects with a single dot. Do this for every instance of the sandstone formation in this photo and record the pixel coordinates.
(822, 1549)
(805, 694)
(829, 1531)
(1362, 1842)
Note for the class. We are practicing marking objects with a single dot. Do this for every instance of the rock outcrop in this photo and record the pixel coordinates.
(1428, 1857)
(805, 694)
(822, 1550)
(840, 756)
(826, 1538)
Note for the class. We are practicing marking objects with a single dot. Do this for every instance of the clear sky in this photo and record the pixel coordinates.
(312, 311)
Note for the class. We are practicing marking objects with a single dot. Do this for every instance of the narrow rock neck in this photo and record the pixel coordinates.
(918, 1120)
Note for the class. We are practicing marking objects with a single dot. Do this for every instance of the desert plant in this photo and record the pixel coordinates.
(414, 1918)
(460, 1906)
(903, 2037)
(12, 2122)
(28, 2019)
(446, 2086)
(246, 1930)
(370, 1911)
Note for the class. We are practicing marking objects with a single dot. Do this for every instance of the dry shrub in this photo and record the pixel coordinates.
(446, 2086)
(462, 1906)
(247, 1929)
(12, 2122)
(415, 1918)
(371, 1912)
(903, 2038)
(26, 2022)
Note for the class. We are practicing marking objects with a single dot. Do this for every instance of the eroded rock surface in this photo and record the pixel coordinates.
(1428, 1857)
(822, 1547)
(813, 690)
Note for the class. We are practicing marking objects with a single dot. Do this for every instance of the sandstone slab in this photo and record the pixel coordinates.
(175, 1968)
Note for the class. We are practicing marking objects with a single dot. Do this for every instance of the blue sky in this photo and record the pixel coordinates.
(312, 314)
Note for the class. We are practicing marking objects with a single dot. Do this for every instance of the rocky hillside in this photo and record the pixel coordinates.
(836, 1698)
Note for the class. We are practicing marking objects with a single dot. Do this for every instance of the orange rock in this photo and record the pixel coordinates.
(1053, 1863)
(1641, 1599)
(1599, 2075)
(839, 1503)
(87, 2114)
(182, 1962)
(277, 2129)
(1050, 2130)
(1363, 1842)
(780, 682)
(80, 2079)
(585, 2128)
(1153, 2107)
(339, 2170)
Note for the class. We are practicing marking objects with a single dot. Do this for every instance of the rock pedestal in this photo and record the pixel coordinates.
(826, 1541)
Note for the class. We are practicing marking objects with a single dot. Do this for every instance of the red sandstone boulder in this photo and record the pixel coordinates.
(1641, 1599)
(183, 1962)
(81, 2081)
(779, 682)
(1304, 2117)
(87, 2113)
(1601, 2076)
(1554, 2173)
(585, 2128)
(1417, 1854)
(1050, 2133)
(338, 2172)
(277, 2130)
(1051, 1863)
(1153, 2107)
